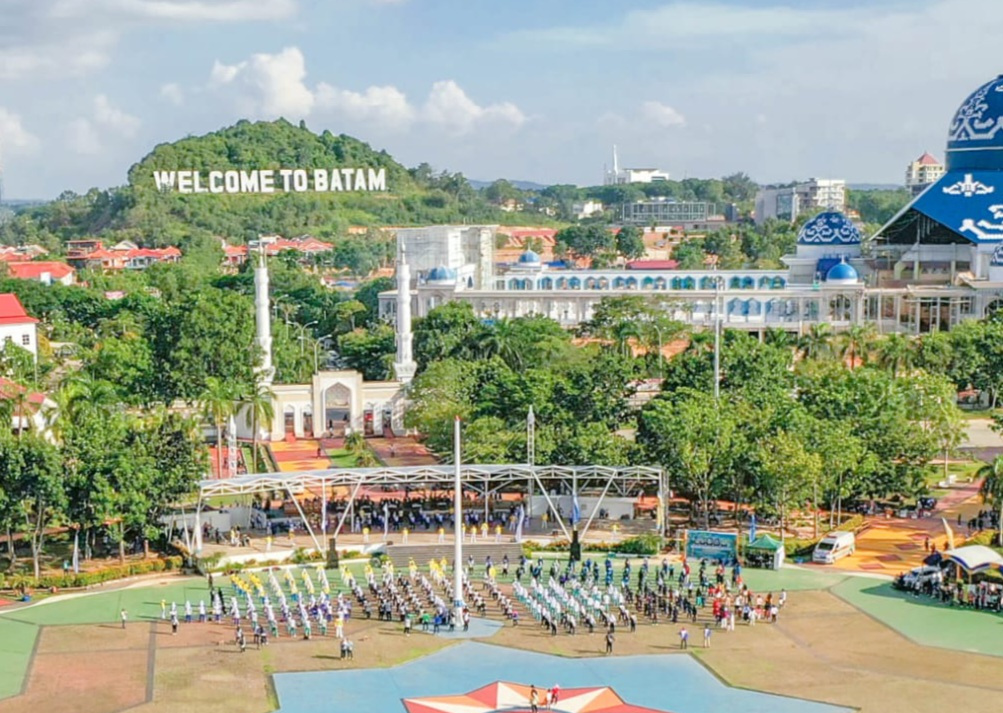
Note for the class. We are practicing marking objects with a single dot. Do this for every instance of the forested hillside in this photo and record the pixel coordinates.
(141, 213)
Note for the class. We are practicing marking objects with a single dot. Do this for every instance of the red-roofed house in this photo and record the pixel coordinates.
(16, 326)
(44, 271)
(123, 256)
(33, 410)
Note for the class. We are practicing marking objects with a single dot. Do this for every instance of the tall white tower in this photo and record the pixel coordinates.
(404, 366)
(263, 316)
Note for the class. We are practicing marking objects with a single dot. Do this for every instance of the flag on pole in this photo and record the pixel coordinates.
(519, 517)
(386, 520)
(576, 511)
(76, 552)
(752, 527)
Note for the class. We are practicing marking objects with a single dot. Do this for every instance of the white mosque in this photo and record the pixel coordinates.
(937, 262)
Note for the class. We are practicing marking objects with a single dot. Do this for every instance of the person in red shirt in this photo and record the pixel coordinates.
(555, 696)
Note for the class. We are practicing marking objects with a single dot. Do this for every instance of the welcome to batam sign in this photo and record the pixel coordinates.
(283, 180)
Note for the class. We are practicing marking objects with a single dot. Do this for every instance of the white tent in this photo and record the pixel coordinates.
(974, 558)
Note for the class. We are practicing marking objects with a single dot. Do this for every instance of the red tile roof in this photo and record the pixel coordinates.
(927, 160)
(10, 389)
(35, 270)
(653, 265)
(11, 311)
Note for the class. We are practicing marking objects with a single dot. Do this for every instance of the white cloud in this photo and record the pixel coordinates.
(179, 10)
(13, 136)
(449, 106)
(82, 138)
(172, 93)
(224, 73)
(661, 114)
(114, 118)
(386, 105)
(56, 38)
(271, 84)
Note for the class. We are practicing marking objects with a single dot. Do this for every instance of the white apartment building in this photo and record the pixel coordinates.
(924, 171)
(787, 202)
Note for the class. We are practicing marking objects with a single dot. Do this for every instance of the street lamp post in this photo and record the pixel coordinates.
(717, 337)
(458, 528)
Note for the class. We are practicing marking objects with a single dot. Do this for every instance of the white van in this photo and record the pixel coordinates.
(833, 546)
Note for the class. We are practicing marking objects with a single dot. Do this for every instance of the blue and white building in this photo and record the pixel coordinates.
(936, 263)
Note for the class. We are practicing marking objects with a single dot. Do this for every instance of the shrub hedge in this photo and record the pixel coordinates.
(107, 574)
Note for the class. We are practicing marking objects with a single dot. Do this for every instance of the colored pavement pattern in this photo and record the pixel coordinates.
(301, 454)
(893, 545)
(662, 682)
(401, 451)
(514, 697)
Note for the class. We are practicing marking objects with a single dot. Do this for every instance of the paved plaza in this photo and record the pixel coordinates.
(844, 641)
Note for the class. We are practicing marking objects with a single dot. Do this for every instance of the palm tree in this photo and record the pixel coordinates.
(355, 443)
(780, 338)
(991, 490)
(217, 406)
(854, 343)
(259, 400)
(817, 343)
(895, 353)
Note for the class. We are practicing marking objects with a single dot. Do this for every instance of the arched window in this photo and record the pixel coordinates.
(689, 283)
(647, 283)
(735, 283)
(748, 283)
(707, 283)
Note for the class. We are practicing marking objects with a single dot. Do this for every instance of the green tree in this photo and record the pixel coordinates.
(217, 401)
(370, 351)
(259, 410)
(695, 439)
(629, 243)
(991, 490)
(789, 470)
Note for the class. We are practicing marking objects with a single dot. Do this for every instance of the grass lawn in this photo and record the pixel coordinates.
(922, 619)
(342, 458)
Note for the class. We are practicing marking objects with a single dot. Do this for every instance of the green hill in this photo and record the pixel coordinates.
(148, 216)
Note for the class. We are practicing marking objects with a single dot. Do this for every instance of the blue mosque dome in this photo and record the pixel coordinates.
(829, 228)
(997, 258)
(441, 274)
(529, 258)
(842, 273)
(975, 139)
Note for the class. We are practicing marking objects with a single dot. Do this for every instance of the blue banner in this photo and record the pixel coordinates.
(718, 546)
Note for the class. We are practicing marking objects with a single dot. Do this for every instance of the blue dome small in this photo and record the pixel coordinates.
(975, 138)
(842, 272)
(441, 274)
(997, 258)
(829, 228)
(529, 258)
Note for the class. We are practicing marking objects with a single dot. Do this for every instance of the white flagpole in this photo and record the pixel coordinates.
(458, 544)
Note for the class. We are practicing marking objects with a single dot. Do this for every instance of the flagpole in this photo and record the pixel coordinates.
(458, 528)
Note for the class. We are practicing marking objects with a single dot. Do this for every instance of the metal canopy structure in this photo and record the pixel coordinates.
(623, 481)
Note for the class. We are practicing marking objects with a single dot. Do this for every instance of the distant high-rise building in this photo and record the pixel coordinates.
(616, 175)
(787, 202)
(922, 172)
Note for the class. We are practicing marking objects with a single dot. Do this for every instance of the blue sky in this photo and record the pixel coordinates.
(523, 89)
